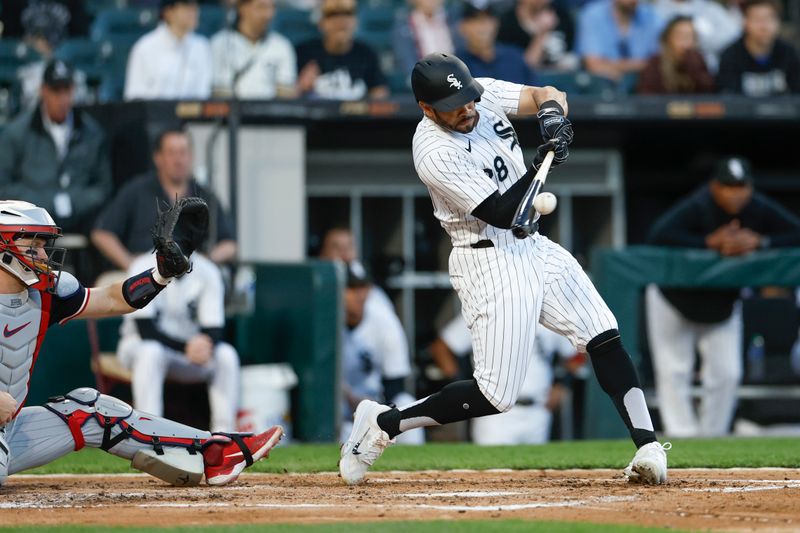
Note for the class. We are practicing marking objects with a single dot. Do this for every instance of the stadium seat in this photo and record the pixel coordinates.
(212, 19)
(93, 7)
(129, 21)
(399, 83)
(80, 52)
(114, 52)
(375, 27)
(581, 83)
(295, 25)
(14, 53)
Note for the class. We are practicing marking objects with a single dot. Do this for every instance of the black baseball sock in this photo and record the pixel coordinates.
(457, 401)
(617, 377)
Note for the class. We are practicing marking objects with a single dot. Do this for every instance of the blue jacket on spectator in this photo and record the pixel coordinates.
(599, 35)
(508, 65)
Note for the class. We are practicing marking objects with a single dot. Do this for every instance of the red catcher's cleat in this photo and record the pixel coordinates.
(227, 454)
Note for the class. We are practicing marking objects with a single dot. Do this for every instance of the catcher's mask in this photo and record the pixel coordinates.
(27, 237)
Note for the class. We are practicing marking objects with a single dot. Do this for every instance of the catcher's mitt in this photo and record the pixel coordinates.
(179, 230)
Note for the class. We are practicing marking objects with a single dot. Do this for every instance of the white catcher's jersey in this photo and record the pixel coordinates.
(186, 305)
(461, 170)
(25, 317)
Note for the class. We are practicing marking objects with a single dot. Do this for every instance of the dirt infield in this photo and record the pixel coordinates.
(742, 500)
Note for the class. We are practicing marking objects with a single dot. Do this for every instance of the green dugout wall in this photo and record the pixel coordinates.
(296, 320)
(621, 275)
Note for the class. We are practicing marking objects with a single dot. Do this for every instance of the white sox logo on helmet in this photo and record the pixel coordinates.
(454, 81)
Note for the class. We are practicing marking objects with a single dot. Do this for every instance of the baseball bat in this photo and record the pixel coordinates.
(524, 216)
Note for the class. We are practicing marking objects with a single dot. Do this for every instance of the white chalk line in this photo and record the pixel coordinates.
(412, 472)
(477, 494)
(753, 486)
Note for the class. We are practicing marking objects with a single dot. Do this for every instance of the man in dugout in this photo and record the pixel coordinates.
(728, 216)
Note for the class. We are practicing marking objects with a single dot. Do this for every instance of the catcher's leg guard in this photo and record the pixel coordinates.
(167, 450)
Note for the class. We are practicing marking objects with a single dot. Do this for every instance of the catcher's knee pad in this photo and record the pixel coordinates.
(171, 450)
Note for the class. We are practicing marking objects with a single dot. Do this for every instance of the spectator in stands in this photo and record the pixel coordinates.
(261, 61)
(123, 229)
(760, 64)
(484, 56)
(45, 27)
(171, 61)
(616, 37)
(679, 68)
(715, 26)
(372, 366)
(56, 157)
(179, 337)
(426, 29)
(337, 66)
(728, 216)
(73, 12)
(544, 29)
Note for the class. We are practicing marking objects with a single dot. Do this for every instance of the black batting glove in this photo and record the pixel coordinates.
(553, 124)
(558, 146)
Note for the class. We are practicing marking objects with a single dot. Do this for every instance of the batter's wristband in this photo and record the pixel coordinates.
(552, 104)
(139, 290)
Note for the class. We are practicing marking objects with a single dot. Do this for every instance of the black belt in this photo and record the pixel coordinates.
(485, 243)
(525, 402)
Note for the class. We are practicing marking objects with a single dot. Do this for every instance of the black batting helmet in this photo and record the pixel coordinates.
(444, 82)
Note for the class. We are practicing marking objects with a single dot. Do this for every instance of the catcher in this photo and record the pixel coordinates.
(35, 294)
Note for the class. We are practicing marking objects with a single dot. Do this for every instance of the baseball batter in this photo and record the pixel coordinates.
(467, 153)
(35, 295)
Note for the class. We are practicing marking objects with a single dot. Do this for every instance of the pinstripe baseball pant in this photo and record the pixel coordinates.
(506, 291)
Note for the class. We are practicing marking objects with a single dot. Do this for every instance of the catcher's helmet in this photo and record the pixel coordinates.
(23, 220)
(444, 82)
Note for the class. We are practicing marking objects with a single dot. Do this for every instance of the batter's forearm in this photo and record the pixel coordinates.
(531, 99)
(499, 210)
(545, 94)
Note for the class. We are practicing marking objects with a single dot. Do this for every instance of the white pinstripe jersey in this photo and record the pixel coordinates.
(461, 170)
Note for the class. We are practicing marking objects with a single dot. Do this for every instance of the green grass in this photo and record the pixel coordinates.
(712, 453)
(481, 526)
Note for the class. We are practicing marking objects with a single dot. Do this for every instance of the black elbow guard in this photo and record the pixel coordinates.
(140, 289)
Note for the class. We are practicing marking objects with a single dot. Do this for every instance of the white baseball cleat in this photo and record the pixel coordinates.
(649, 465)
(365, 443)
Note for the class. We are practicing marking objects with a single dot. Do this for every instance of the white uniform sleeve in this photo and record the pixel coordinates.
(390, 338)
(446, 170)
(287, 68)
(136, 75)
(203, 73)
(137, 266)
(221, 65)
(504, 93)
(457, 337)
(211, 307)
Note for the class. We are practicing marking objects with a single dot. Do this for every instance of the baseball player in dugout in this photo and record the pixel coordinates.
(728, 216)
(466, 152)
(35, 294)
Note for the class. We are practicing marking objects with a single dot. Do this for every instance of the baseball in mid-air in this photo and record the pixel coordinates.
(545, 203)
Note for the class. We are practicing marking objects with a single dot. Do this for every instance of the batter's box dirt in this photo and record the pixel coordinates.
(740, 499)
